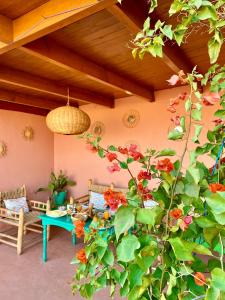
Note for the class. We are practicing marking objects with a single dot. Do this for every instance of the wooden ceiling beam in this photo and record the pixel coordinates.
(23, 108)
(132, 14)
(50, 52)
(6, 31)
(29, 100)
(49, 17)
(21, 79)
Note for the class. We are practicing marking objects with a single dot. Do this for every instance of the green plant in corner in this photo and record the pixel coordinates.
(57, 187)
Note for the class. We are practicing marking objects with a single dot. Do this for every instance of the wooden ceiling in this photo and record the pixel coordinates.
(48, 46)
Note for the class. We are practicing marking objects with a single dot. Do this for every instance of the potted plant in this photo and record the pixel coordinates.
(57, 186)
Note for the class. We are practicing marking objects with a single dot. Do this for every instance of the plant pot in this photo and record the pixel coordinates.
(60, 198)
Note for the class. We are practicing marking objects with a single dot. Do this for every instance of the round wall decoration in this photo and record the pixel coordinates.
(98, 128)
(28, 133)
(131, 118)
(3, 149)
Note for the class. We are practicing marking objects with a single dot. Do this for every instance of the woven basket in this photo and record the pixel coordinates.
(68, 120)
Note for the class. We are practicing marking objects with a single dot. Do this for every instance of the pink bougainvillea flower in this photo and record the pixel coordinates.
(111, 156)
(174, 79)
(136, 155)
(165, 165)
(133, 148)
(182, 96)
(174, 101)
(171, 109)
(187, 220)
(211, 99)
(176, 120)
(144, 175)
(123, 150)
(218, 121)
(185, 223)
(92, 148)
(114, 168)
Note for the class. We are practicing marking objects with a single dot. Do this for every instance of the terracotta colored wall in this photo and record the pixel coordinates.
(27, 162)
(72, 156)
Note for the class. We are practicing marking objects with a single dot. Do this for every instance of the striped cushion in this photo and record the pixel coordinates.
(16, 204)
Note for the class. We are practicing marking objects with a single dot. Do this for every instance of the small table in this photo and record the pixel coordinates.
(64, 222)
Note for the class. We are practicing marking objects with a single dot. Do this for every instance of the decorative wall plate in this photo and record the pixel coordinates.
(3, 149)
(28, 133)
(131, 118)
(98, 128)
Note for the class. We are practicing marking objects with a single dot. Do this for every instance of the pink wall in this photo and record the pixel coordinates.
(71, 155)
(26, 162)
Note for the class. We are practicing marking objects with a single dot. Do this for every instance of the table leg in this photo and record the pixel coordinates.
(74, 238)
(44, 243)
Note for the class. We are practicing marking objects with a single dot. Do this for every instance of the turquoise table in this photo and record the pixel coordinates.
(63, 222)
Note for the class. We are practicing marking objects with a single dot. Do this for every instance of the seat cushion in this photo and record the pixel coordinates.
(16, 204)
(97, 200)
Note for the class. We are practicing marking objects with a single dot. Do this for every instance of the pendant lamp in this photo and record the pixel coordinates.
(68, 120)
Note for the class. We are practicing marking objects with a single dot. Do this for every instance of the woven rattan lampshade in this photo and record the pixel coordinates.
(68, 120)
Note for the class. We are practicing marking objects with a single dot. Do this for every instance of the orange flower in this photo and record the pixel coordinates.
(216, 187)
(176, 213)
(81, 256)
(165, 165)
(79, 228)
(199, 279)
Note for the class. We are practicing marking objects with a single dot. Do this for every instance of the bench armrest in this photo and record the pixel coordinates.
(9, 214)
(40, 206)
(83, 199)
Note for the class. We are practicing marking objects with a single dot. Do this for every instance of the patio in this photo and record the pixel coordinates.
(152, 120)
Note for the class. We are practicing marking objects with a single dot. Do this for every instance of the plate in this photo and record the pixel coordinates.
(56, 213)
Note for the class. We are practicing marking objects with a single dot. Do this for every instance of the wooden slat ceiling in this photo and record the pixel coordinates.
(86, 49)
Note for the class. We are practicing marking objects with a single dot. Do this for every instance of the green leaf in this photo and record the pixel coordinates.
(148, 215)
(212, 294)
(210, 234)
(217, 202)
(112, 148)
(193, 175)
(146, 25)
(182, 249)
(196, 115)
(207, 12)
(101, 153)
(171, 284)
(192, 190)
(218, 279)
(123, 165)
(220, 113)
(126, 248)
(198, 129)
(167, 30)
(135, 275)
(175, 135)
(188, 104)
(205, 222)
(166, 152)
(87, 291)
(108, 258)
(200, 249)
(124, 220)
(214, 49)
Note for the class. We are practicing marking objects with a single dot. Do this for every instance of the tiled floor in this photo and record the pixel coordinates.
(26, 277)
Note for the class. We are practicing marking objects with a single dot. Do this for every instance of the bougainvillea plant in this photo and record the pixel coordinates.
(175, 249)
